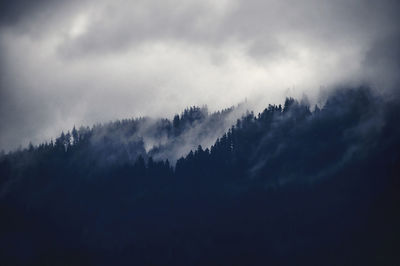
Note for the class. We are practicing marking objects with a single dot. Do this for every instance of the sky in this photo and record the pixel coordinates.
(66, 63)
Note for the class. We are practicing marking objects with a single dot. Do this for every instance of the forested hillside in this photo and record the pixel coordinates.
(292, 185)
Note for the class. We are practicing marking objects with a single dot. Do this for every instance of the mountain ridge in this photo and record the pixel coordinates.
(285, 186)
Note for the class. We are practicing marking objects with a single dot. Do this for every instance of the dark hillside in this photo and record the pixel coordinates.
(292, 185)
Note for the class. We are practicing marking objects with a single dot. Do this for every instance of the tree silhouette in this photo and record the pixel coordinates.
(287, 186)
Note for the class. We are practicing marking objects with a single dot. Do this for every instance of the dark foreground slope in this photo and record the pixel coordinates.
(289, 186)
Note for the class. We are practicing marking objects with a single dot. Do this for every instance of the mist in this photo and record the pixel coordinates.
(66, 63)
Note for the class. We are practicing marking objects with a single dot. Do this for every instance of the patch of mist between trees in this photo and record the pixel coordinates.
(157, 136)
(203, 133)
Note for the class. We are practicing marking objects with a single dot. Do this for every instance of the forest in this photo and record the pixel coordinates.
(292, 185)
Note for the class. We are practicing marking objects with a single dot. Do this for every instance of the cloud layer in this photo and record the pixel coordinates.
(81, 62)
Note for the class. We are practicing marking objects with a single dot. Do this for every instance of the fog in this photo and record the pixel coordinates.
(66, 63)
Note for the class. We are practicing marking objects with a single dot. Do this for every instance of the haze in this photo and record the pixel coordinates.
(66, 63)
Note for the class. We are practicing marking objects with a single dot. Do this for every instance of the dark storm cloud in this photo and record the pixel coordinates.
(12, 12)
(32, 17)
(74, 62)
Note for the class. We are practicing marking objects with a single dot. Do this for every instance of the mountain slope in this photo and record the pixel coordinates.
(288, 186)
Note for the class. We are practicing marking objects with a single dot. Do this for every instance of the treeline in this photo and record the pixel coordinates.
(124, 142)
(290, 185)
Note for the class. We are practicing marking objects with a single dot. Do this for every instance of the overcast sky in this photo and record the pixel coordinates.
(65, 63)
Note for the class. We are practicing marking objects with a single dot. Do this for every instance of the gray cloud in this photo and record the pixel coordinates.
(382, 61)
(81, 62)
(13, 12)
(265, 26)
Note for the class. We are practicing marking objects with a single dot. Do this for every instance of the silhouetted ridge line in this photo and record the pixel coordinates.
(287, 186)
